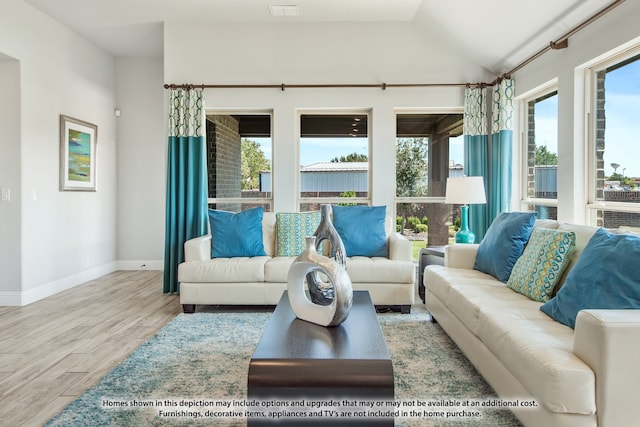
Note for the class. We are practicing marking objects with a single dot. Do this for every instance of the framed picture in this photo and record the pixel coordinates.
(78, 140)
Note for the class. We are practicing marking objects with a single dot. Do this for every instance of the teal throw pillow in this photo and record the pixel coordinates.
(236, 234)
(605, 276)
(503, 243)
(362, 229)
(538, 271)
(292, 230)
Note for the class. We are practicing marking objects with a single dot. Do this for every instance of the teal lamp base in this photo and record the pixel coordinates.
(464, 235)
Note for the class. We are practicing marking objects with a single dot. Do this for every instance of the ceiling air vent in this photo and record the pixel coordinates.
(284, 10)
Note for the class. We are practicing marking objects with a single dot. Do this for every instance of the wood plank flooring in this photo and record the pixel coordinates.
(51, 351)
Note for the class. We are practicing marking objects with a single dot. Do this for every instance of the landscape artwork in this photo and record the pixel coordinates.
(79, 161)
(77, 155)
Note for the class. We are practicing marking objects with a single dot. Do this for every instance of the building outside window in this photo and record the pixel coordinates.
(615, 192)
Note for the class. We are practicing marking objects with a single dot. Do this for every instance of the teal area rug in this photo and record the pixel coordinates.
(204, 357)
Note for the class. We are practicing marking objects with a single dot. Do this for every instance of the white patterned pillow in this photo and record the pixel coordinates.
(291, 230)
(539, 269)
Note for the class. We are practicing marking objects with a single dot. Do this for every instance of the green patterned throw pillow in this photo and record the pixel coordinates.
(291, 230)
(538, 270)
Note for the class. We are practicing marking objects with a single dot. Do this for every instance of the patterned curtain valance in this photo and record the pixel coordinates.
(475, 111)
(186, 112)
(502, 106)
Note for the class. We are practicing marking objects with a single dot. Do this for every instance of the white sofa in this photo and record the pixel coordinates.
(261, 280)
(580, 378)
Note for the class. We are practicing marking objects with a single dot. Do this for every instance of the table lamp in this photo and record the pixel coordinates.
(465, 190)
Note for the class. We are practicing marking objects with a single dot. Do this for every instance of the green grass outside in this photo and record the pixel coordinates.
(416, 246)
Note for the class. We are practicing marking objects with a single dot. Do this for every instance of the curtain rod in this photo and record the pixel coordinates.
(284, 86)
(562, 42)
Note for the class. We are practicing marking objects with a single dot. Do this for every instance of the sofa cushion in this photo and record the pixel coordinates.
(292, 229)
(379, 270)
(583, 234)
(269, 233)
(539, 353)
(236, 234)
(537, 272)
(503, 243)
(277, 269)
(362, 229)
(223, 270)
(606, 276)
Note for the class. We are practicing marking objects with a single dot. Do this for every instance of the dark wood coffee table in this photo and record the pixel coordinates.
(298, 360)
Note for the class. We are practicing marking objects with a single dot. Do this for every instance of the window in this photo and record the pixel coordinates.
(334, 159)
(429, 149)
(541, 148)
(615, 196)
(239, 161)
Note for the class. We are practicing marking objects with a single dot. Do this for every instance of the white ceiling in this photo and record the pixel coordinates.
(497, 34)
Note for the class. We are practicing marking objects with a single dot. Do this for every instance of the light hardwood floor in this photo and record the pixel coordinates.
(54, 349)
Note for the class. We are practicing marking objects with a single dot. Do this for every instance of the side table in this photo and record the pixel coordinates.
(433, 255)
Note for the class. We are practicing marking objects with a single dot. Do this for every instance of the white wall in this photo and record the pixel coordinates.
(10, 179)
(612, 32)
(142, 146)
(320, 53)
(66, 237)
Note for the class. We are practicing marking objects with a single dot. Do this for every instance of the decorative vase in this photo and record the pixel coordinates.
(326, 273)
(320, 292)
(464, 235)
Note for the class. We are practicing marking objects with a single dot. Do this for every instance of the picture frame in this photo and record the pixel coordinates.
(78, 154)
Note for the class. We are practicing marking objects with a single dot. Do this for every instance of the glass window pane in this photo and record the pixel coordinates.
(617, 129)
(334, 155)
(427, 224)
(429, 149)
(542, 147)
(237, 207)
(315, 206)
(412, 166)
(238, 158)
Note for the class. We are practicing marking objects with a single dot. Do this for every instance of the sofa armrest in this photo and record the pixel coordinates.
(460, 256)
(198, 248)
(609, 342)
(399, 248)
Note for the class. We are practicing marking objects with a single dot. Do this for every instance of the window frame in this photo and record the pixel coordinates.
(544, 91)
(593, 205)
(333, 200)
(419, 200)
(268, 201)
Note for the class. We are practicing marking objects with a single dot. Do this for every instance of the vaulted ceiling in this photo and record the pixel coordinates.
(497, 34)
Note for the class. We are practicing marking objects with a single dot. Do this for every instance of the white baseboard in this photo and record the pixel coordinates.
(20, 298)
(140, 265)
(10, 299)
(51, 288)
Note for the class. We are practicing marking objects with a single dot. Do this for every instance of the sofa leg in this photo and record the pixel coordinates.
(405, 309)
(433, 319)
(189, 308)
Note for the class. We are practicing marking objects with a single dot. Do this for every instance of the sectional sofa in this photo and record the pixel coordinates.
(573, 369)
(260, 280)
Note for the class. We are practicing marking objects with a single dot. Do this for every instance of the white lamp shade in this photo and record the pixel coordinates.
(465, 190)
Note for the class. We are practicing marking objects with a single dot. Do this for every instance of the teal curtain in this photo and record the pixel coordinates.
(476, 151)
(186, 202)
(501, 148)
